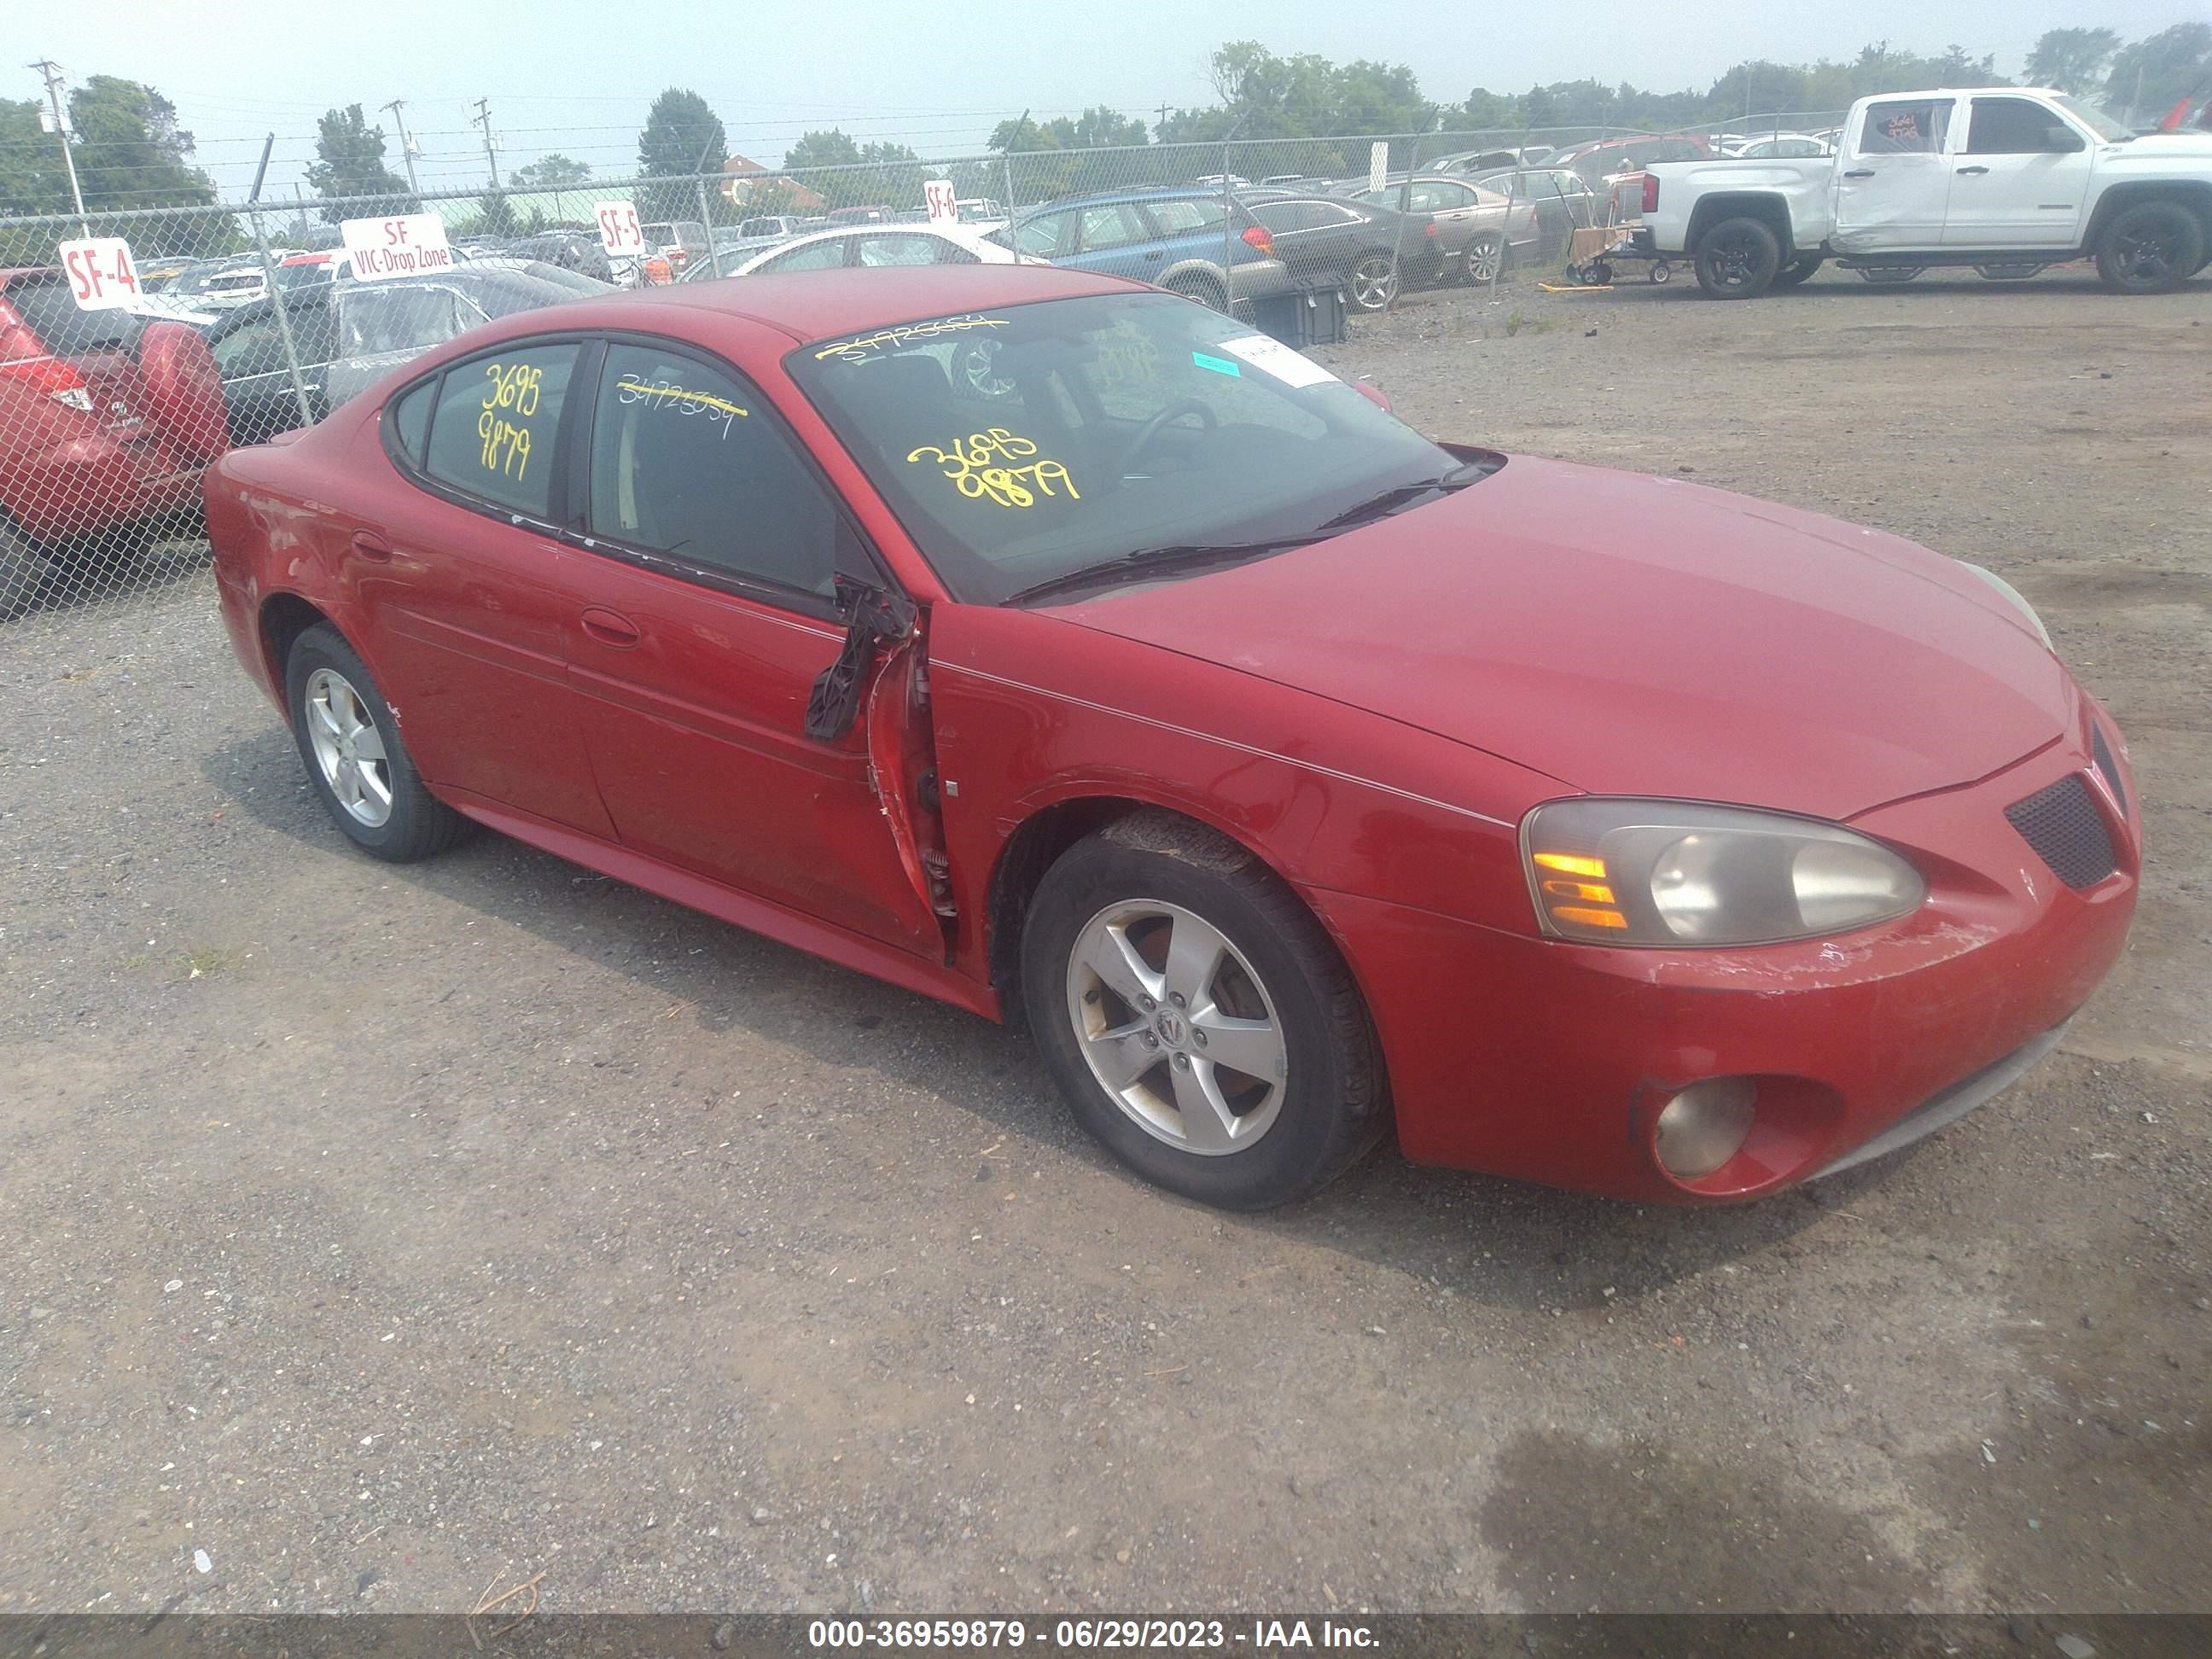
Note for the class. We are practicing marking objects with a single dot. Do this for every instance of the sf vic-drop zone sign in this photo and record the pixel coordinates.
(408, 246)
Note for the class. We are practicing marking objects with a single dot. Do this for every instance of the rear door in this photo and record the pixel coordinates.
(468, 595)
(1894, 179)
(1115, 237)
(2021, 178)
(710, 614)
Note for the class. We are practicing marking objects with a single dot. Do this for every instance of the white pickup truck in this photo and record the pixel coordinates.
(2004, 179)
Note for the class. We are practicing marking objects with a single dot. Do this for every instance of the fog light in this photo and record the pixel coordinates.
(1701, 1128)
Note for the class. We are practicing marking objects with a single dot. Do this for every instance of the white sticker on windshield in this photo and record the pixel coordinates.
(1274, 358)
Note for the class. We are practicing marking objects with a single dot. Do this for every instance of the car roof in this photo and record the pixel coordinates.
(811, 305)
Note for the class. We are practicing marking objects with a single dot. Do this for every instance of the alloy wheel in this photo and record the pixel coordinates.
(1374, 284)
(1482, 257)
(348, 748)
(1734, 261)
(1176, 1027)
(2148, 256)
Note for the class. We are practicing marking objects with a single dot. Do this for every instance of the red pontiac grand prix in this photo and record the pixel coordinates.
(1064, 649)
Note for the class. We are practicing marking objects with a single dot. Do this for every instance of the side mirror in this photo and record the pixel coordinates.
(1374, 394)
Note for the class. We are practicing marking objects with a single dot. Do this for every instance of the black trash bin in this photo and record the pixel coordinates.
(1305, 317)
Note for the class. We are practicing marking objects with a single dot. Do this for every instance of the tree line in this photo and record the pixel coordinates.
(131, 152)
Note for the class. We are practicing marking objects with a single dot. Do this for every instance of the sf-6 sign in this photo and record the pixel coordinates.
(101, 274)
(408, 246)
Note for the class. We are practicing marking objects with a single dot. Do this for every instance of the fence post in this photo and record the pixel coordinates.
(1006, 161)
(276, 288)
(1228, 236)
(706, 224)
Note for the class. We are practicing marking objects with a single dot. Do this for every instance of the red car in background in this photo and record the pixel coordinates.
(1295, 778)
(106, 422)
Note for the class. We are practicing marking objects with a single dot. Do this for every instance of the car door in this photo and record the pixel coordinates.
(1310, 239)
(1453, 205)
(467, 595)
(709, 617)
(1115, 238)
(2021, 178)
(1893, 184)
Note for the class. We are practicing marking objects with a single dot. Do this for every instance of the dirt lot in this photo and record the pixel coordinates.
(381, 1231)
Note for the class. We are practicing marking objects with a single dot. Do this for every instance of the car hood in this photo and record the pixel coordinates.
(1637, 635)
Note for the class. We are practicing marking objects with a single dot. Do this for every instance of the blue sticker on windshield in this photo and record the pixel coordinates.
(1218, 365)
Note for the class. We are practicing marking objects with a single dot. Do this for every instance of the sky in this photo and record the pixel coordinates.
(576, 75)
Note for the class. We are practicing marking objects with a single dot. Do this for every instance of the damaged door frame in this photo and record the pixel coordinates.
(887, 633)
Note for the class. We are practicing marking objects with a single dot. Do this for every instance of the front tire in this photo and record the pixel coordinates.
(1738, 259)
(2153, 247)
(1196, 1017)
(351, 747)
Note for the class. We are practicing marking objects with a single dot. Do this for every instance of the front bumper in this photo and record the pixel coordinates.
(1551, 1061)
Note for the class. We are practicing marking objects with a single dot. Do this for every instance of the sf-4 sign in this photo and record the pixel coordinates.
(408, 245)
(101, 274)
(619, 233)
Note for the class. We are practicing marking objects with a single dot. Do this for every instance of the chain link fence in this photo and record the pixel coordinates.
(135, 347)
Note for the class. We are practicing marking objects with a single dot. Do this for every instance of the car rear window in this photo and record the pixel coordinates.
(45, 303)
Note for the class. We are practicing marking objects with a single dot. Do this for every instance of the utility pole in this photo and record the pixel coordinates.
(52, 71)
(406, 147)
(483, 118)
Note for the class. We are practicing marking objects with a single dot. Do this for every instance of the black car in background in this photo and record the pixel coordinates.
(1368, 253)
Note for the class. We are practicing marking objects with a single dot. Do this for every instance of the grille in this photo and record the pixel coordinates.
(2107, 765)
(2062, 824)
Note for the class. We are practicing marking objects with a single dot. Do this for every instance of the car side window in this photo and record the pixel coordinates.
(1052, 233)
(1181, 215)
(1283, 217)
(687, 460)
(257, 348)
(2017, 126)
(897, 250)
(408, 418)
(495, 423)
(824, 255)
(1910, 126)
(1114, 225)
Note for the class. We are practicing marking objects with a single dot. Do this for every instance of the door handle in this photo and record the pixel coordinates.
(1153, 255)
(370, 545)
(611, 629)
(1973, 169)
(1862, 173)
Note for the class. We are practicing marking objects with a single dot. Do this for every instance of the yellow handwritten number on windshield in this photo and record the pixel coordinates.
(993, 466)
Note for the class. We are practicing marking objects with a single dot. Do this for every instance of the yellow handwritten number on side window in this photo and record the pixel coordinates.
(506, 445)
(978, 467)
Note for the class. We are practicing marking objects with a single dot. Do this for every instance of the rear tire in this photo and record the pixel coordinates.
(22, 572)
(1802, 271)
(1206, 293)
(351, 746)
(1484, 258)
(1738, 259)
(1372, 283)
(1150, 935)
(2153, 247)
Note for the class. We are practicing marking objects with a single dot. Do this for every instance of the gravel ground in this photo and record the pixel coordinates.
(381, 1233)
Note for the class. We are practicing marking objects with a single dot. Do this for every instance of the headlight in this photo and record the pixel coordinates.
(2019, 601)
(1612, 872)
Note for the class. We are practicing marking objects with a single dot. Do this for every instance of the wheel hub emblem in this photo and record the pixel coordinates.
(1170, 1028)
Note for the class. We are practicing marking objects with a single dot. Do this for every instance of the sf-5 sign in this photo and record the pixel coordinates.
(619, 233)
(408, 246)
(101, 275)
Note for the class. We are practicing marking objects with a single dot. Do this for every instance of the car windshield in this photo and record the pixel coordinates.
(1026, 442)
(399, 318)
(2093, 118)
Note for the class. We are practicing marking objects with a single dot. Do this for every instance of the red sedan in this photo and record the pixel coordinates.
(1061, 648)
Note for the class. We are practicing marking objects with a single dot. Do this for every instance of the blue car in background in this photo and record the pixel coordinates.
(1171, 235)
